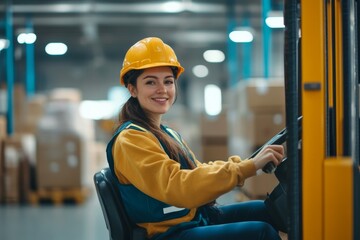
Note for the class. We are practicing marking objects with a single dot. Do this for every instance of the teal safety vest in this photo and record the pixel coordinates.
(142, 208)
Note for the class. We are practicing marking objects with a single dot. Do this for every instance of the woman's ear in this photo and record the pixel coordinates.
(132, 90)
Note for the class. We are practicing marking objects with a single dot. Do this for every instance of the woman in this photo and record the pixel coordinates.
(165, 189)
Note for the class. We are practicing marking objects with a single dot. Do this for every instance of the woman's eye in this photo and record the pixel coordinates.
(169, 82)
(150, 83)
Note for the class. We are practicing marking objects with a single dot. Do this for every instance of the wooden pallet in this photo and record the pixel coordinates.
(59, 196)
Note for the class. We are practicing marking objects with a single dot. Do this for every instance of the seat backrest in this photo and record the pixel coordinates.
(116, 218)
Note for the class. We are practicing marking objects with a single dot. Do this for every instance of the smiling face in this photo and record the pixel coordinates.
(155, 91)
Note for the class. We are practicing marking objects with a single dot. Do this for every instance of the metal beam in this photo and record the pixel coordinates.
(10, 69)
(117, 8)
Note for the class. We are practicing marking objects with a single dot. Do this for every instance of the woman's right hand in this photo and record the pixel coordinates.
(269, 153)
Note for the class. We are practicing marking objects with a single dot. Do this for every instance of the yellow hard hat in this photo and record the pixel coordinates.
(149, 52)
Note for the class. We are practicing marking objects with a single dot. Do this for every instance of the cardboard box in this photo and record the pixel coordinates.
(63, 116)
(264, 95)
(2, 192)
(3, 131)
(33, 113)
(262, 126)
(13, 157)
(215, 148)
(214, 126)
(60, 160)
(11, 183)
(19, 106)
(256, 128)
(215, 152)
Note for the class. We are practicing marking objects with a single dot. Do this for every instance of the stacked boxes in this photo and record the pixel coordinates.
(59, 160)
(12, 160)
(2, 126)
(266, 108)
(19, 106)
(52, 148)
(64, 141)
(34, 109)
(214, 135)
(16, 171)
(2, 136)
(257, 114)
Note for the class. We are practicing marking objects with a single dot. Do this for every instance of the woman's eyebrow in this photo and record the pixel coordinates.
(150, 76)
(153, 76)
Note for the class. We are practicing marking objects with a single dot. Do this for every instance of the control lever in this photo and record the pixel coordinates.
(269, 168)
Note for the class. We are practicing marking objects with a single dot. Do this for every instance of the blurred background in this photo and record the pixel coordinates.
(60, 96)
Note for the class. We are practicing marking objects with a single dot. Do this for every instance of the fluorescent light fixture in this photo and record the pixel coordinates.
(97, 110)
(275, 22)
(275, 19)
(214, 56)
(56, 48)
(241, 36)
(4, 43)
(212, 97)
(200, 71)
(27, 38)
(172, 7)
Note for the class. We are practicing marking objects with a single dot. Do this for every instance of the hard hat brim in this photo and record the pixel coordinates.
(150, 65)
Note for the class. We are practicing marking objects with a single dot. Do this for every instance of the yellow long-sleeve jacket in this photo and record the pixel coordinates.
(140, 160)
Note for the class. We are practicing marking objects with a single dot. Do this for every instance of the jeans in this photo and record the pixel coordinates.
(243, 221)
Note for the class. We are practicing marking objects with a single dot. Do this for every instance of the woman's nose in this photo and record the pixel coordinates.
(161, 88)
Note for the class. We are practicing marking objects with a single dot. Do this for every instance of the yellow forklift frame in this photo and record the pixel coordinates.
(327, 179)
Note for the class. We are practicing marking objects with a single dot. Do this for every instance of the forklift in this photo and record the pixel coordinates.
(318, 196)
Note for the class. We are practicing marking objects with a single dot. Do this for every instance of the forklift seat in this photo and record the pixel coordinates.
(116, 218)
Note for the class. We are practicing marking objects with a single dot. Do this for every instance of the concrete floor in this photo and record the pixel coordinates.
(50, 222)
(69, 221)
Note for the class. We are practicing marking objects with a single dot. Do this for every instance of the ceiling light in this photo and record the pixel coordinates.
(212, 97)
(214, 56)
(275, 19)
(200, 71)
(4, 43)
(275, 22)
(172, 7)
(242, 36)
(56, 48)
(27, 38)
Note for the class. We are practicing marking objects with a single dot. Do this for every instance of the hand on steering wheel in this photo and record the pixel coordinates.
(269, 157)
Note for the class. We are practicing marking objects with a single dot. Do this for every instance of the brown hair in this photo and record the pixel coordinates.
(132, 111)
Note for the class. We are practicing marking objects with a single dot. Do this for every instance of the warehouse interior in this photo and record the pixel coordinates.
(58, 110)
